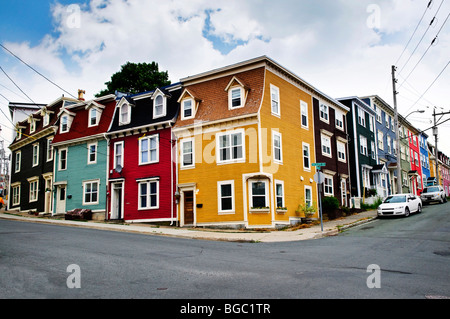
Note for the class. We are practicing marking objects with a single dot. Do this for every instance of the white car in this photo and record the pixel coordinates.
(400, 204)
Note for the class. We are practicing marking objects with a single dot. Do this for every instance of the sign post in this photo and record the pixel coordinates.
(319, 178)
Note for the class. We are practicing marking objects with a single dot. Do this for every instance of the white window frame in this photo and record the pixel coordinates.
(231, 159)
(342, 157)
(371, 123)
(361, 117)
(380, 138)
(34, 191)
(64, 124)
(91, 182)
(241, 97)
(89, 153)
(388, 142)
(35, 158)
(327, 186)
(148, 195)
(306, 145)
(163, 106)
(46, 120)
(32, 126)
(220, 197)
(91, 117)
(18, 162)
(379, 112)
(339, 119)
(121, 144)
(60, 151)
(304, 114)
(275, 97)
(16, 194)
(309, 202)
(325, 142)
(149, 138)
(128, 114)
(283, 203)
(275, 136)
(363, 145)
(266, 192)
(373, 149)
(183, 109)
(49, 149)
(183, 142)
(324, 113)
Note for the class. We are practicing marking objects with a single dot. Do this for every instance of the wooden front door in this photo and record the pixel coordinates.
(188, 207)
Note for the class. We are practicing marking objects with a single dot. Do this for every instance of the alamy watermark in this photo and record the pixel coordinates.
(374, 279)
(374, 19)
(73, 20)
(74, 279)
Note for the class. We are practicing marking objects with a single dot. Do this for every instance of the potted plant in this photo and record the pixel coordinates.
(308, 211)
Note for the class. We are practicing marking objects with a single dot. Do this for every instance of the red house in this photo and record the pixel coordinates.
(415, 174)
(142, 171)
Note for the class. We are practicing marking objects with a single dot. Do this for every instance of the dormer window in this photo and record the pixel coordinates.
(159, 106)
(32, 126)
(64, 124)
(93, 120)
(46, 120)
(236, 93)
(125, 114)
(188, 111)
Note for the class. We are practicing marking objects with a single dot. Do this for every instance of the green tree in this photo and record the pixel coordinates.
(135, 78)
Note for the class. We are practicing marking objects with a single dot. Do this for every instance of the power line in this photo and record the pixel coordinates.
(432, 20)
(423, 15)
(36, 70)
(16, 84)
(429, 86)
(432, 42)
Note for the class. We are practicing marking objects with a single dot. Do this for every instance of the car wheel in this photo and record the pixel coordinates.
(419, 209)
(406, 211)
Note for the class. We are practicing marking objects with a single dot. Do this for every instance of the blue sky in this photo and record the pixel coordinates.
(343, 47)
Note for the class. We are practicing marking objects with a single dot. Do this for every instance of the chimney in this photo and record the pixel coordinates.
(81, 95)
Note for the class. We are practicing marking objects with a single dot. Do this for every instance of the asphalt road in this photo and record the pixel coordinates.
(413, 256)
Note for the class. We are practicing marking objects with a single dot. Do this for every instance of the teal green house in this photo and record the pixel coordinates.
(80, 153)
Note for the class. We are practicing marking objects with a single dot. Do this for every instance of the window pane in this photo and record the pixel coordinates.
(225, 190)
(258, 188)
(227, 203)
(259, 201)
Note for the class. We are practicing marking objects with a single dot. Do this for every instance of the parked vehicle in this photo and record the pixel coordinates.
(433, 194)
(400, 204)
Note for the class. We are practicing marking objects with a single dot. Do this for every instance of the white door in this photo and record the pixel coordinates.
(116, 201)
(61, 199)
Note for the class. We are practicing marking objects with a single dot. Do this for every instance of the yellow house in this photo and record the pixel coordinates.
(245, 145)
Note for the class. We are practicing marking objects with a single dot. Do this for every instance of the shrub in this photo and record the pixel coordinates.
(330, 203)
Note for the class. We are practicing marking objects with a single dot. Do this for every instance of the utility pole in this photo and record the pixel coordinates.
(435, 133)
(397, 137)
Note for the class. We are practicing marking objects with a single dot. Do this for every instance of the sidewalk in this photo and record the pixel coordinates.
(330, 228)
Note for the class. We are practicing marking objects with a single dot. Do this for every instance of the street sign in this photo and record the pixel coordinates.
(318, 164)
(319, 178)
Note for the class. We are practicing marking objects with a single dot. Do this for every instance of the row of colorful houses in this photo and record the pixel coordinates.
(231, 147)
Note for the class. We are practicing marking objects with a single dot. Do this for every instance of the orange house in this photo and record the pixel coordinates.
(245, 145)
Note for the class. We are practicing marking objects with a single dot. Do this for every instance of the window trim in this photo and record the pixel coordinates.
(34, 164)
(307, 187)
(283, 201)
(164, 106)
(121, 156)
(231, 160)
(306, 168)
(342, 146)
(266, 193)
(89, 161)
(156, 136)
(304, 107)
(90, 117)
(94, 181)
(322, 144)
(16, 195)
(64, 129)
(49, 149)
(274, 135)
(128, 114)
(65, 160)
(328, 177)
(183, 117)
(275, 90)
(33, 181)
(18, 162)
(241, 97)
(325, 110)
(363, 150)
(339, 117)
(220, 210)
(183, 141)
(148, 198)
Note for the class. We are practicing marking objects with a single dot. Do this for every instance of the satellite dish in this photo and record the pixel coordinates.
(118, 169)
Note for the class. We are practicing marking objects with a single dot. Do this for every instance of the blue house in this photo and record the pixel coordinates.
(81, 148)
(386, 144)
(424, 160)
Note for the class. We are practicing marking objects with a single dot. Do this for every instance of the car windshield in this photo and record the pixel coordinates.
(395, 199)
(431, 189)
